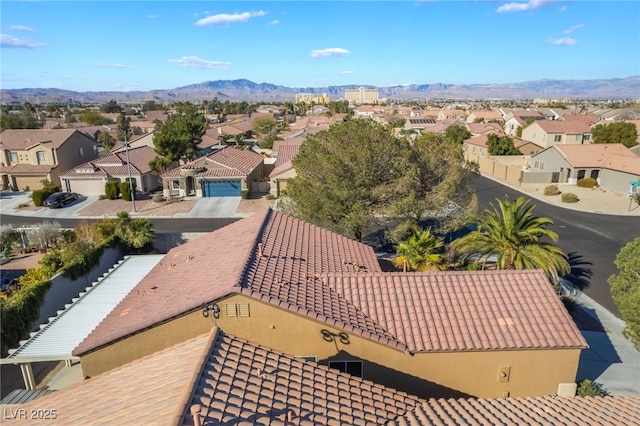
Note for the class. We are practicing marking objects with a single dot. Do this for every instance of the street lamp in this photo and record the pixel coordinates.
(132, 189)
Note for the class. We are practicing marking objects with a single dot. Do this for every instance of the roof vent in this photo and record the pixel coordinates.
(260, 251)
(195, 412)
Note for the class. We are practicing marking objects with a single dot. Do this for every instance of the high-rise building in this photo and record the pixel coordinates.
(361, 96)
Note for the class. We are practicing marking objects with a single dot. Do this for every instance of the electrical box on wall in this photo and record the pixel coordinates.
(503, 374)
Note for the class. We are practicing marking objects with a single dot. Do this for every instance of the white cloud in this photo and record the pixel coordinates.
(572, 29)
(332, 51)
(100, 65)
(521, 7)
(195, 62)
(22, 28)
(152, 16)
(225, 18)
(563, 9)
(564, 41)
(17, 42)
(274, 22)
(347, 72)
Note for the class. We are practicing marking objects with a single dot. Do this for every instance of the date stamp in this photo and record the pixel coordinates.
(29, 413)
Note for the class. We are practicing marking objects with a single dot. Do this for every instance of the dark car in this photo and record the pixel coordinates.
(7, 283)
(59, 199)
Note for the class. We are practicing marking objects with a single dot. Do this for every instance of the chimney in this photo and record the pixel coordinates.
(260, 253)
(195, 412)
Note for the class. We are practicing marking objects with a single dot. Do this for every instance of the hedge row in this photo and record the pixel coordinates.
(38, 196)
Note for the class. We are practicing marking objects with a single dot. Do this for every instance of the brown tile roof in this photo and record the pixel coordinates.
(27, 169)
(588, 119)
(569, 127)
(592, 411)
(479, 140)
(485, 128)
(141, 392)
(116, 164)
(593, 155)
(22, 139)
(157, 115)
(242, 382)
(286, 153)
(294, 252)
(445, 311)
(244, 160)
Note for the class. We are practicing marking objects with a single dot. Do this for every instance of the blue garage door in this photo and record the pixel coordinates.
(221, 188)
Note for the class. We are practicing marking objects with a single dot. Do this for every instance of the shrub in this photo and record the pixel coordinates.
(551, 190)
(587, 182)
(38, 196)
(125, 190)
(245, 193)
(102, 197)
(569, 197)
(587, 387)
(112, 189)
(157, 198)
(270, 197)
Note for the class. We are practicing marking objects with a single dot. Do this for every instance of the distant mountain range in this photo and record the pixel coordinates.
(245, 90)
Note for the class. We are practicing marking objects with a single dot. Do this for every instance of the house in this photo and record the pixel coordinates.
(283, 168)
(484, 115)
(614, 166)
(589, 119)
(364, 111)
(418, 125)
(225, 173)
(135, 141)
(89, 178)
(217, 378)
(477, 146)
(30, 156)
(546, 133)
(482, 128)
(516, 119)
(302, 290)
(451, 114)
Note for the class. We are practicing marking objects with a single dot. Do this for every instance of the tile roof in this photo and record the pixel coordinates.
(244, 160)
(294, 252)
(623, 163)
(592, 155)
(461, 310)
(592, 411)
(485, 128)
(570, 127)
(589, 118)
(141, 392)
(242, 382)
(27, 169)
(22, 139)
(116, 164)
(286, 153)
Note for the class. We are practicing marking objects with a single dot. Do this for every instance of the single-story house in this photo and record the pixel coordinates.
(283, 168)
(225, 173)
(89, 178)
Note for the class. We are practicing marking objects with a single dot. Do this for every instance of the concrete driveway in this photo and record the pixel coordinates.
(10, 202)
(213, 207)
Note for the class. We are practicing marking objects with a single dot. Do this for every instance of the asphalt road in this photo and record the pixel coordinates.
(593, 240)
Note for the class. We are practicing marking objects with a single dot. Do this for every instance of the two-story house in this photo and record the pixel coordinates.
(31, 156)
(546, 133)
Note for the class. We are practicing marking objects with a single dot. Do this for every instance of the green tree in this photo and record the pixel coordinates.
(111, 107)
(625, 289)
(347, 175)
(457, 133)
(436, 183)
(106, 140)
(180, 135)
(515, 238)
(620, 132)
(152, 106)
(24, 120)
(422, 251)
(124, 127)
(501, 145)
(94, 118)
(239, 140)
(264, 126)
(225, 139)
(134, 233)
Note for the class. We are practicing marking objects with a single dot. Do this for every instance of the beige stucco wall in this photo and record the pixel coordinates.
(532, 372)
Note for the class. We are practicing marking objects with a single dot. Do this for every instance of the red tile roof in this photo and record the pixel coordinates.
(592, 411)
(454, 310)
(116, 163)
(569, 127)
(593, 155)
(244, 160)
(22, 139)
(286, 153)
(244, 382)
(294, 252)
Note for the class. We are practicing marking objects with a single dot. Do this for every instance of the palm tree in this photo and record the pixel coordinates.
(422, 251)
(225, 139)
(516, 238)
(137, 233)
(239, 140)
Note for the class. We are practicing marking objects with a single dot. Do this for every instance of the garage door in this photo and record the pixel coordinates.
(221, 188)
(84, 186)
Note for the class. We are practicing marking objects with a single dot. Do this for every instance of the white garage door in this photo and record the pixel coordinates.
(84, 186)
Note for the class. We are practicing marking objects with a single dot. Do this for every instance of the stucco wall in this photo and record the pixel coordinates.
(532, 372)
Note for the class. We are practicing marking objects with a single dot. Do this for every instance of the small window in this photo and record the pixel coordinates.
(14, 157)
(587, 137)
(578, 137)
(243, 309)
(557, 138)
(175, 184)
(42, 157)
(81, 152)
(237, 309)
(231, 310)
(542, 165)
(350, 367)
(536, 164)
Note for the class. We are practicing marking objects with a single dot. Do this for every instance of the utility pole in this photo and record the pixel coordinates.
(132, 188)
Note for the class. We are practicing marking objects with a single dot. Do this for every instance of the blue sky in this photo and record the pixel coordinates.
(144, 45)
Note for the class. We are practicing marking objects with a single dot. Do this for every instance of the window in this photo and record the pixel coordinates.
(579, 137)
(557, 138)
(586, 137)
(175, 184)
(542, 165)
(14, 157)
(81, 152)
(237, 310)
(536, 164)
(42, 157)
(350, 367)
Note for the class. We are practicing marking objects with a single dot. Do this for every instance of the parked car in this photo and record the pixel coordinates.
(59, 199)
